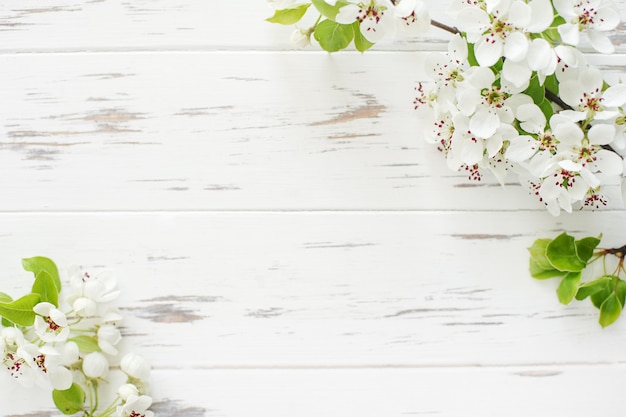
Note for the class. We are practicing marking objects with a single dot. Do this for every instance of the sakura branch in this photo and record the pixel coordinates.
(512, 96)
(67, 339)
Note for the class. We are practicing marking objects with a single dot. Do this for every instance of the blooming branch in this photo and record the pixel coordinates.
(513, 95)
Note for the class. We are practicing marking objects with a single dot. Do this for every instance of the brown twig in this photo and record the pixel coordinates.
(445, 27)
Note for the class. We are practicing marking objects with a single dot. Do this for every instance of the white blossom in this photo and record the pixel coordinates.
(135, 366)
(593, 17)
(50, 323)
(95, 365)
(376, 18)
(136, 406)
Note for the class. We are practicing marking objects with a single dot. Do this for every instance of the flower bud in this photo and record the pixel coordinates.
(95, 365)
(135, 366)
(126, 390)
(300, 38)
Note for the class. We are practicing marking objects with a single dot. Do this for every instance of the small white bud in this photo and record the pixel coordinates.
(95, 365)
(126, 390)
(300, 38)
(135, 366)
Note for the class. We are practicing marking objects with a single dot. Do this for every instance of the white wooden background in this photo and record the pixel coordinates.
(286, 243)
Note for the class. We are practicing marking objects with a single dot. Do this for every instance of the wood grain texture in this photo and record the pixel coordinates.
(74, 25)
(518, 391)
(328, 289)
(285, 242)
(228, 131)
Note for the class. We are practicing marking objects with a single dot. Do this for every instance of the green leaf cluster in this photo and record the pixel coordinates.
(566, 257)
(46, 288)
(331, 36)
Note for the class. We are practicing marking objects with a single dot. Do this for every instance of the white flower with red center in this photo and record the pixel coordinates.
(574, 166)
(375, 17)
(89, 291)
(447, 71)
(487, 105)
(412, 17)
(24, 361)
(499, 28)
(136, 406)
(50, 323)
(585, 94)
(468, 149)
(593, 17)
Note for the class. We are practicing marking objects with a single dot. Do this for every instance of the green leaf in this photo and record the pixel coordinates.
(561, 253)
(289, 16)
(44, 286)
(333, 36)
(620, 290)
(540, 267)
(471, 56)
(86, 344)
(40, 263)
(326, 9)
(69, 401)
(361, 44)
(551, 83)
(598, 297)
(5, 298)
(592, 287)
(20, 311)
(536, 90)
(568, 287)
(586, 246)
(610, 310)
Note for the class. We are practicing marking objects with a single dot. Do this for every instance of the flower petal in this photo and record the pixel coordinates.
(484, 123)
(601, 134)
(518, 73)
(541, 16)
(609, 163)
(516, 46)
(606, 18)
(568, 133)
(347, 14)
(489, 50)
(60, 377)
(532, 118)
(614, 96)
(600, 42)
(521, 148)
(569, 33)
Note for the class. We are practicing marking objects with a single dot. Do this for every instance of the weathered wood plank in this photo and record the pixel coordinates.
(520, 391)
(66, 25)
(328, 289)
(226, 130)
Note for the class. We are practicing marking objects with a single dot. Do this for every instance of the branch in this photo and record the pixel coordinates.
(445, 27)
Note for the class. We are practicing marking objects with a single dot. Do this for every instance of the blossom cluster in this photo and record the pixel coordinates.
(68, 340)
(341, 21)
(513, 95)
